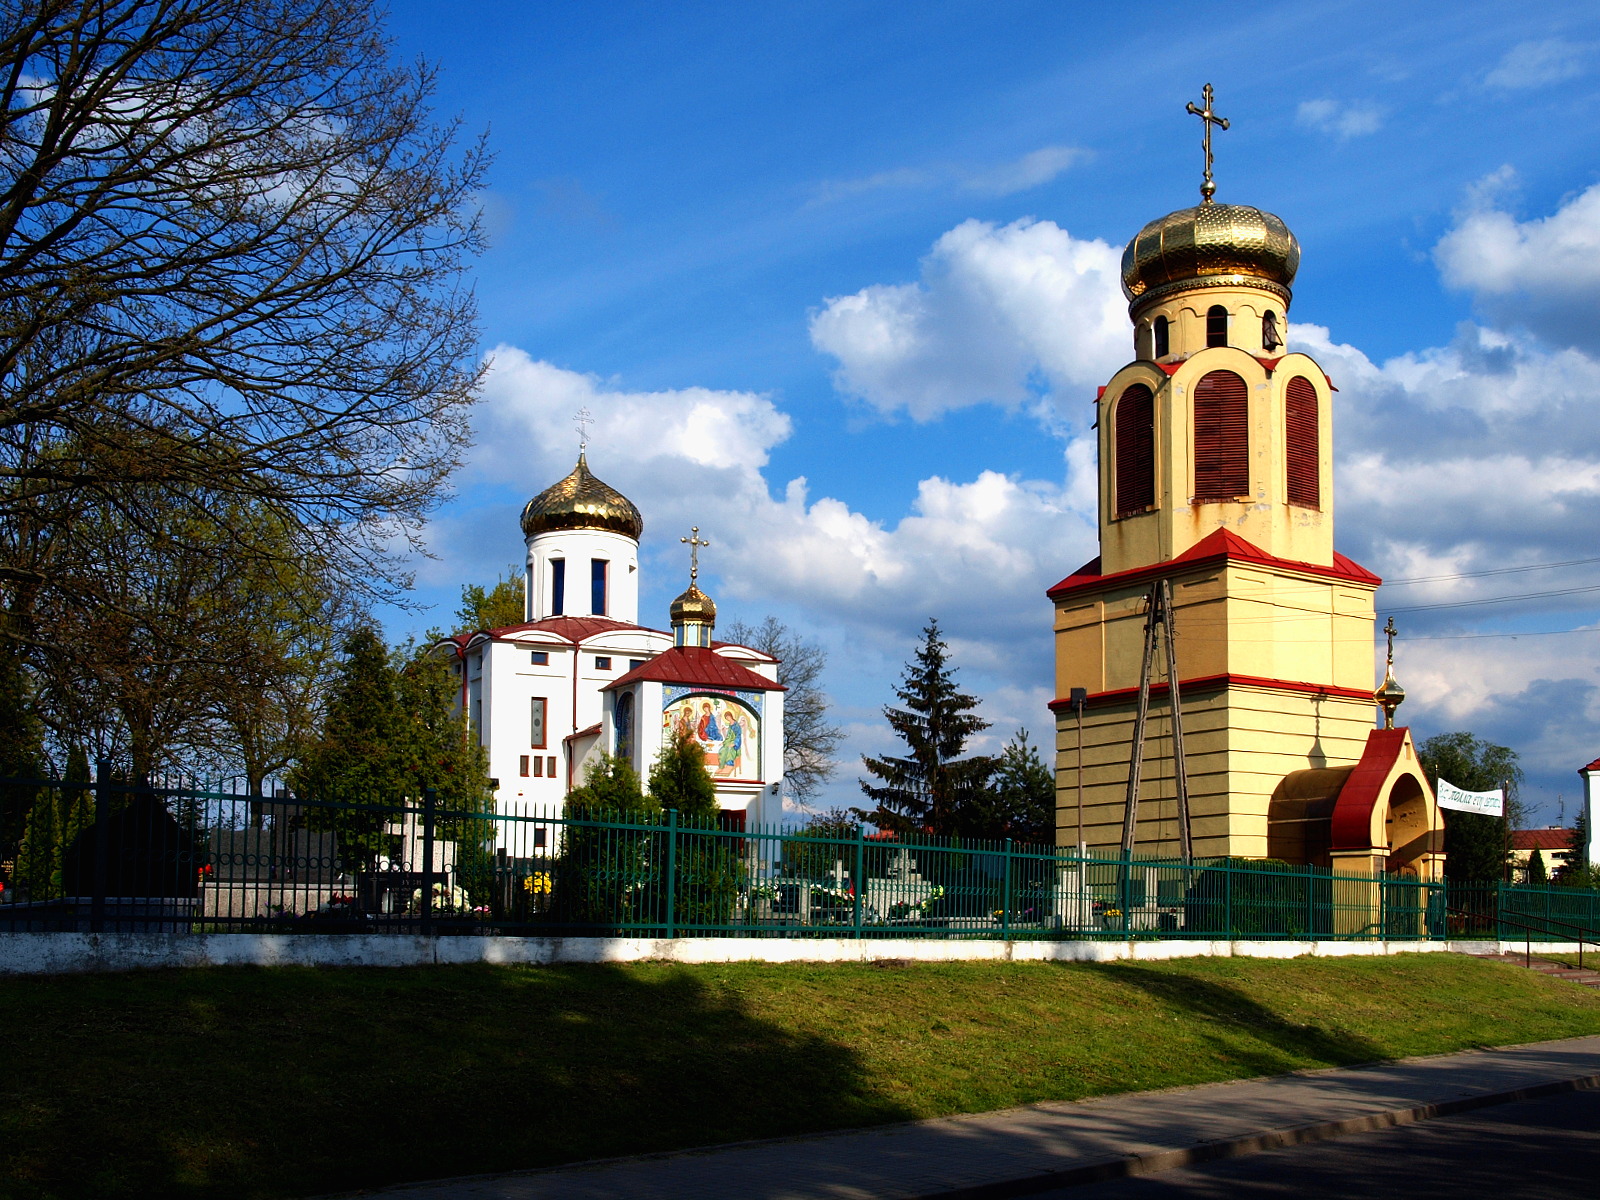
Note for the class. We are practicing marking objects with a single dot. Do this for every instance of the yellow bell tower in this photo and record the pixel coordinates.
(1216, 479)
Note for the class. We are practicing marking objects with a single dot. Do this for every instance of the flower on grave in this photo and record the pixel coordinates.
(537, 884)
(447, 899)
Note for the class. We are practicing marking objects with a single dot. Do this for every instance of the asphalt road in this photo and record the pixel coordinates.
(1547, 1149)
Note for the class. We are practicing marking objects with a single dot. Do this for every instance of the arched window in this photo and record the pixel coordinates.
(1163, 338)
(1271, 339)
(624, 724)
(1302, 443)
(1221, 437)
(1133, 426)
(1141, 341)
(1216, 326)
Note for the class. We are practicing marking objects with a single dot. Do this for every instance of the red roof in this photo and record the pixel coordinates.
(696, 665)
(1553, 838)
(1222, 545)
(1594, 766)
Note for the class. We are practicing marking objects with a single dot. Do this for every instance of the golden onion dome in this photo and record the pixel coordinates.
(694, 605)
(580, 501)
(1210, 245)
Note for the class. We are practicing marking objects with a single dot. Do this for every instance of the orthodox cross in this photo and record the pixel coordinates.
(1389, 630)
(694, 542)
(1209, 187)
(582, 419)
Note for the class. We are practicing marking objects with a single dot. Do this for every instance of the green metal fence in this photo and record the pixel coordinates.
(106, 856)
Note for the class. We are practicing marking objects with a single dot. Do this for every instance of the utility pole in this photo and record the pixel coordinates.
(1158, 621)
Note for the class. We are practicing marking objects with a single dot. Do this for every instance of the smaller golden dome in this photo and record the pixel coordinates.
(580, 501)
(1389, 696)
(1210, 245)
(694, 605)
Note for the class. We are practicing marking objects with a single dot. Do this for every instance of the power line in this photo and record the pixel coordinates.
(1493, 600)
(1575, 562)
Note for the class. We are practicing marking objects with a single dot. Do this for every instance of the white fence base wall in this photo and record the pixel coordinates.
(64, 953)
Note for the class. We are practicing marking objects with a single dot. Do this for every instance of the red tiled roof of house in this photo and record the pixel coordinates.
(1594, 766)
(696, 665)
(1541, 839)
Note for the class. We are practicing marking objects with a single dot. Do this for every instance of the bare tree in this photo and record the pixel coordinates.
(233, 236)
(809, 740)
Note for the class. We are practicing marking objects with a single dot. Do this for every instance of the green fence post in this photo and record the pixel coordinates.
(430, 800)
(1005, 896)
(672, 872)
(858, 884)
(1227, 897)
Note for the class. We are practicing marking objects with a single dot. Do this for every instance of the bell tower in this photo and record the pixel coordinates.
(1216, 477)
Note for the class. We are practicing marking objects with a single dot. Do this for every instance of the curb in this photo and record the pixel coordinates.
(1254, 1143)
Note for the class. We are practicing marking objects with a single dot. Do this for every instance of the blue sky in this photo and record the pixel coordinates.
(838, 282)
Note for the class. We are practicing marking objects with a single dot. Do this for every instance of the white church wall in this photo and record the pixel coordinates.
(578, 548)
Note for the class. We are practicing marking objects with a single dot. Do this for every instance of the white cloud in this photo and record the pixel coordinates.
(1543, 273)
(670, 451)
(996, 308)
(1032, 170)
(1344, 119)
(1535, 64)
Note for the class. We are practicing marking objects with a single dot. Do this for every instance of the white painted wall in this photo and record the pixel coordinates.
(578, 547)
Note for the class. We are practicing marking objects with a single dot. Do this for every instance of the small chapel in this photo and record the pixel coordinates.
(1252, 734)
(580, 675)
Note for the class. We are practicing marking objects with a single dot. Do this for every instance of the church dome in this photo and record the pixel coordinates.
(694, 605)
(580, 501)
(1210, 245)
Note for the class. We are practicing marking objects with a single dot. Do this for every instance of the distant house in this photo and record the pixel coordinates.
(1553, 843)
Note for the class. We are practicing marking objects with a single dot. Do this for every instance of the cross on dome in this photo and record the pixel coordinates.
(694, 542)
(1209, 187)
(583, 419)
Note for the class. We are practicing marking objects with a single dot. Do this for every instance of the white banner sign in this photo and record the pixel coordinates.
(1489, 804)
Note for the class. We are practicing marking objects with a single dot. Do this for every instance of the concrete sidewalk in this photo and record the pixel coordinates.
(1024, 1150)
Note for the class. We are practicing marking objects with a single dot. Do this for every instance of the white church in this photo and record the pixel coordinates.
(580, 675)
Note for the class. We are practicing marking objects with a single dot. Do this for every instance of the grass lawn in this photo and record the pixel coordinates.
(252, 1083)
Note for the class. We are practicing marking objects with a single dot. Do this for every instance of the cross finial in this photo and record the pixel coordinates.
(1390, 631)
(1209, 187)
(694, 541)
(583, 419)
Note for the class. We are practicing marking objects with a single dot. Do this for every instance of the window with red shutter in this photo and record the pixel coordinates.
(1221, 437)
(1302, 443)
(1133, 423)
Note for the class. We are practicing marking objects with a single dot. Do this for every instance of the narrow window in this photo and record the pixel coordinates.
(625, 725)
(1133, 424)
(1216, 326)
(1163, 338)
(597, 586)
(558, 586)
(1302, 443)
(1271, 339)
(523, 762)
(538, 766)
(550, 766)
(541, 658)
(536, 733)
(602, 662)
(1221, 438)
(1142, 345)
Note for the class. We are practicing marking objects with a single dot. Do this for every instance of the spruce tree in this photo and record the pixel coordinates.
(1023, 794)
(932, 789)
(679, 780)
(1537, 875)
(604, 873)
(361, 756)
(708, 870)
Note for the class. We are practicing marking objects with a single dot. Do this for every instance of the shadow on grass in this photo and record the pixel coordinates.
(246, 1083)
(1254, 1036)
